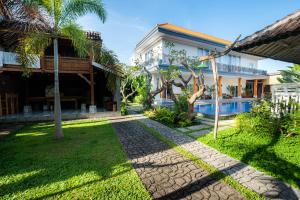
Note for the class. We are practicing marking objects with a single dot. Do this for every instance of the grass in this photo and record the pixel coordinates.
(247, 193)
(88, 163)
(278, 156)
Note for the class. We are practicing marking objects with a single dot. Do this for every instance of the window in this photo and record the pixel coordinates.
(148, 55)
(233, 60)
(202, 52)
(251, 65)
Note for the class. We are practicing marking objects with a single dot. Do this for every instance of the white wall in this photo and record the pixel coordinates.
(192, 51)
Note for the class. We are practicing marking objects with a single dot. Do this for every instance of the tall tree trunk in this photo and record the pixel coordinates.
(57, 108)
(217, 106)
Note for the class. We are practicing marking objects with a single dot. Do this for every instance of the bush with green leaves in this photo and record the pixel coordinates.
(141, 90)
(259, 121)
(169, 117)
(124, 109)
(263, 120)
(182, 104)
(163, 115)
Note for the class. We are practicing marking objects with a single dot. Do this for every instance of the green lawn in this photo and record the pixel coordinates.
(88, 163)
(278, 156)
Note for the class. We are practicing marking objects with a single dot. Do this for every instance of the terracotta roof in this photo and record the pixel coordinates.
(179, 29)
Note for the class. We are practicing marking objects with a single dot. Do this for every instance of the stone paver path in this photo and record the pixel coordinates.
(259, 182)
(184, 130)
(165, 173)
(200, 133)
(198, 127)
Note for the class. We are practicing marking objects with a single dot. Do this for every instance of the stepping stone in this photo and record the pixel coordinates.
(184, 130)
(197, 127)
(223, 128)
(200, 133)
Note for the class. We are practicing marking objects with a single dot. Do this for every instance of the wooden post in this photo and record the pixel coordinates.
(239, 88)
(117, 95)
(220, 86)
(215, 74)
(6, 102)
(195, 89)
(0, 105)
(255, 88)
(263, 88)
(92, 86)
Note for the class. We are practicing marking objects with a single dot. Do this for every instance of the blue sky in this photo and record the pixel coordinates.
(129, 20)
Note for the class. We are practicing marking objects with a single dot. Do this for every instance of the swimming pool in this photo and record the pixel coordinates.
(226, 109)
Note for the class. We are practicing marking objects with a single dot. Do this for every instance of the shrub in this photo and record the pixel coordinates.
(123, 109)
(185, 123)
(259, 121)
(249, 123)
(165, 115)
(182, 104)
(168, 117)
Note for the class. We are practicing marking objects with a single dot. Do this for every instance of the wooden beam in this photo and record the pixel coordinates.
(92, 85)
(84, 78)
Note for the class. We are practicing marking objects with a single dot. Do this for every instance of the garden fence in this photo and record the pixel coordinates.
(286, 97)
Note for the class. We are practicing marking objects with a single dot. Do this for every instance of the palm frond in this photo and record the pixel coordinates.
(73, 9)
(78, 37)
(30, 48)
(291, 75)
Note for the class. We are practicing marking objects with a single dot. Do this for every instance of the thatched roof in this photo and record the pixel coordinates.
(280, 40)
(11, 31)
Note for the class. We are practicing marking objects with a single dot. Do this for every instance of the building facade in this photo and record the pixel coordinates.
(236, 70)
(82, 80)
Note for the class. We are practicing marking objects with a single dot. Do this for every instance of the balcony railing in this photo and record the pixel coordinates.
(66, 64)
(10, 58)
(164, 60)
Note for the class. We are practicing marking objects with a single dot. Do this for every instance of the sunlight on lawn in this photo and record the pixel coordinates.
(88, 163)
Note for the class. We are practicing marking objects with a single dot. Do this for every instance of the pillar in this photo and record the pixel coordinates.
(255, 88)
(239, 92)
(220, 86)
(195, 89)
(92, 107)
(263, 88)
(117, 96)
(92, 86)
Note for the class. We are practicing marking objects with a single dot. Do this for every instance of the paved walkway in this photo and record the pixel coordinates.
(244, 174)
(165, 173)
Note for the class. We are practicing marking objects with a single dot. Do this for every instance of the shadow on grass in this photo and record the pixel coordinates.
(271, 162)
(31, 158)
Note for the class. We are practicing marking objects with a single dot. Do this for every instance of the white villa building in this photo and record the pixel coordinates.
(235, 69)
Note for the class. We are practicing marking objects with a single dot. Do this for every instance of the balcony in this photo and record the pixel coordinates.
(164, 60)
(10, 58)
(9, 62)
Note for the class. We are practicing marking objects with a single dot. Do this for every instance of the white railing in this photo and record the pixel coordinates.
(10, 58)
(284, 94)
(164, 60)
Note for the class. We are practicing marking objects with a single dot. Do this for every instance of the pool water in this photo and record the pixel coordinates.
(226, 109)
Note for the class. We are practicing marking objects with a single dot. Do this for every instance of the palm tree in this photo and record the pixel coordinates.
(291, 75)
(61, 17)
